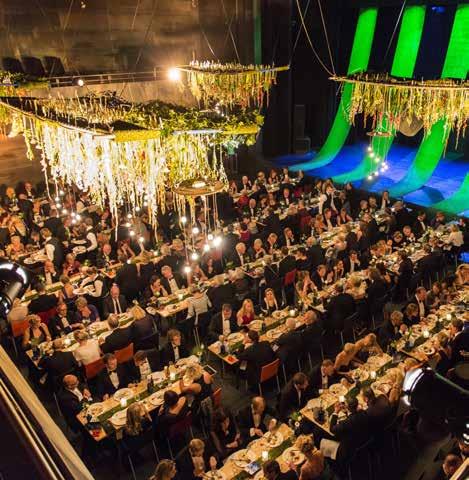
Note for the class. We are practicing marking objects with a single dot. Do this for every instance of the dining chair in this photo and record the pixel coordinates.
(125, 354)
(267, 372)
(17, 330)
(179, 429)
(92, 369)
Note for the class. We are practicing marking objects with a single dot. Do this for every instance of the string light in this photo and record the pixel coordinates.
(131, 233)
(217, 241)
(187, 269)
(183, 220)
(206, 247)
(194, 256)
(174, 74)
(195, 231)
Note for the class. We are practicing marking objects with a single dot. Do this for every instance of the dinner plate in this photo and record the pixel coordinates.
(95, 409)
(79, 242)
(158, 376)
(427, 350)
(151, 310)
(274, 334)
(240, 458)
(337, 389)
(187, 361)
(215, 475)
(278, 314)
(313, 403)
(260, 475)
(382, 387)
(293, 455)
(359, 374)
(123, 393)
(235, 337)
(29, 261)
(79, 249)
(119, 419)
(272, 440)
(156, 399)
(256, 325)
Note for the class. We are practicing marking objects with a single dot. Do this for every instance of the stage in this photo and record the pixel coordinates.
(445, 181)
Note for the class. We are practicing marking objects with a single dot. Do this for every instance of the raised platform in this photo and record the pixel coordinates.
(445, 181)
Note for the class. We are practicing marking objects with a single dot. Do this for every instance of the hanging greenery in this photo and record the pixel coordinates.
(378, 96)
(230, 84)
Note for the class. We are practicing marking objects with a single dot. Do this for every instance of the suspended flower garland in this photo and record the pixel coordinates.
(230, 84)
(379, 96)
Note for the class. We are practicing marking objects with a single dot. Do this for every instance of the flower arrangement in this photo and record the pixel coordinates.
(380, 95)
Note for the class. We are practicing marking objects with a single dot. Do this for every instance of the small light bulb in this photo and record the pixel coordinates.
(372, 155)
(187, 269)
(376, 174)
(194, 256)
(195, 231)
(129, 216)
(209, 237)
(183, 220)
(174, 74)
(145, 204)
(78, 217)
(131, 233)
(206, 247)
(62, 192)
(370, 177)
(73, 221)
(141, 239)
(217, 241)
(64, 211)
(137, 209)
(128, 224)
(58, 205)
(370, 149)
(80, 81)
(57, 199)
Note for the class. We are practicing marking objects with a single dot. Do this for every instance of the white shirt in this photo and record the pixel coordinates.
(173, 285)
(421, 307)
(88, 353)
(78, 394)
(145, 369)
(114, 379)
(91, 237)
(65, 321)
(50, 249)
(456, 238)
(324, 381)
(226, 326)
(117, 305)
(97, 284)
(329, 224)
(241, 259)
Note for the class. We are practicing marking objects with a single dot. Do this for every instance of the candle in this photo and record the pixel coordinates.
(180, 296)
(426, 333)
(172, 376)
(342, 399)
(373, 375)
(292, 312)
(265, 455)
(448, 316)
(67, 342)
(123, 402)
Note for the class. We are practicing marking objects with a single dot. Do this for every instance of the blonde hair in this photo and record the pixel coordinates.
(349, 348)
(81, 302)
(80, 335)
(305, 443)
(196, 447)
(31, 318)
(194, 371)
(138, 312)
(133, 425)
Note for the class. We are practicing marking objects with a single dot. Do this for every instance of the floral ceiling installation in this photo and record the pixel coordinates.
(377, 96)
(125, 153)
(230, 84)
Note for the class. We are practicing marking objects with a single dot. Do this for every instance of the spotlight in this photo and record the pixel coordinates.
(183, 220)
(217, 241)
(195, 231)
(194, 256)
(80, 82)
(13, 283)
(174, 74)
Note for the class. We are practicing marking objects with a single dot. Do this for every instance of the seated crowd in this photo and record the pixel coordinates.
(342, 265)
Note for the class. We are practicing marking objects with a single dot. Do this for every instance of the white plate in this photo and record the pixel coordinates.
(235, 337)
(187, 361)
(256, 325)
(240, 458)
(274, 334)
(79, 242)
(215, 475)
(29, 261)
(360, 374)
(278, 314)
(151, 310)
(313, 403)
(119, 419)
(78, 250)
(273, 439)
(95, 409)
(293, 455)
(427, 350)
(337, 389)
(126, 393)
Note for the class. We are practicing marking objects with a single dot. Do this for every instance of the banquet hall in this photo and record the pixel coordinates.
(234, 240)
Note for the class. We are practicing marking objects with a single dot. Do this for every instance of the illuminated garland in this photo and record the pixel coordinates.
(380, 96)
(230, 84)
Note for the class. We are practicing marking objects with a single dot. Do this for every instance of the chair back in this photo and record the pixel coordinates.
(289, 278)
(149, 342)
(270, 370)
(124, 354)
(47, 315)
(18, 328)
(92, 369)
(180, 427)
(216, 398)
(304, 223)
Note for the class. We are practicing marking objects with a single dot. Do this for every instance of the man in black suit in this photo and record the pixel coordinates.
(353, 431)
(405, 272)
(59, 363)
(295, 395)
(379, 409)
(402, 216)
(271, 471)
(320, 277)
(372, 229)
(351, 238)
(223, 323)
(420, 225)
(339, 307)
(54, 222)
(114, 303)
(174, 349)
(71, 401)
(119, 338)
(459, 340)
(271, 275)
(352, 263)
(377, 287)
(105, 256)
(428, 264)
(256, 354)
(392, 330)
(420, 299)
(302, 261)
(323, 376)
(127, 278)
(239, 256)
(229, 241)
(44, 301)
(63, 322)
(271, 222)
(314, 252)
(220, 293)
(111, 378)
(287, 264)
(27, 209)
(289, 343)
(251, 419)
(311, 334)
(143, 364)
(288, 238)
(171, 281)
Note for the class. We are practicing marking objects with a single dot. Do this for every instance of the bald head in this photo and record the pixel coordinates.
(258, 404)
(70, 382)
(290, 323)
